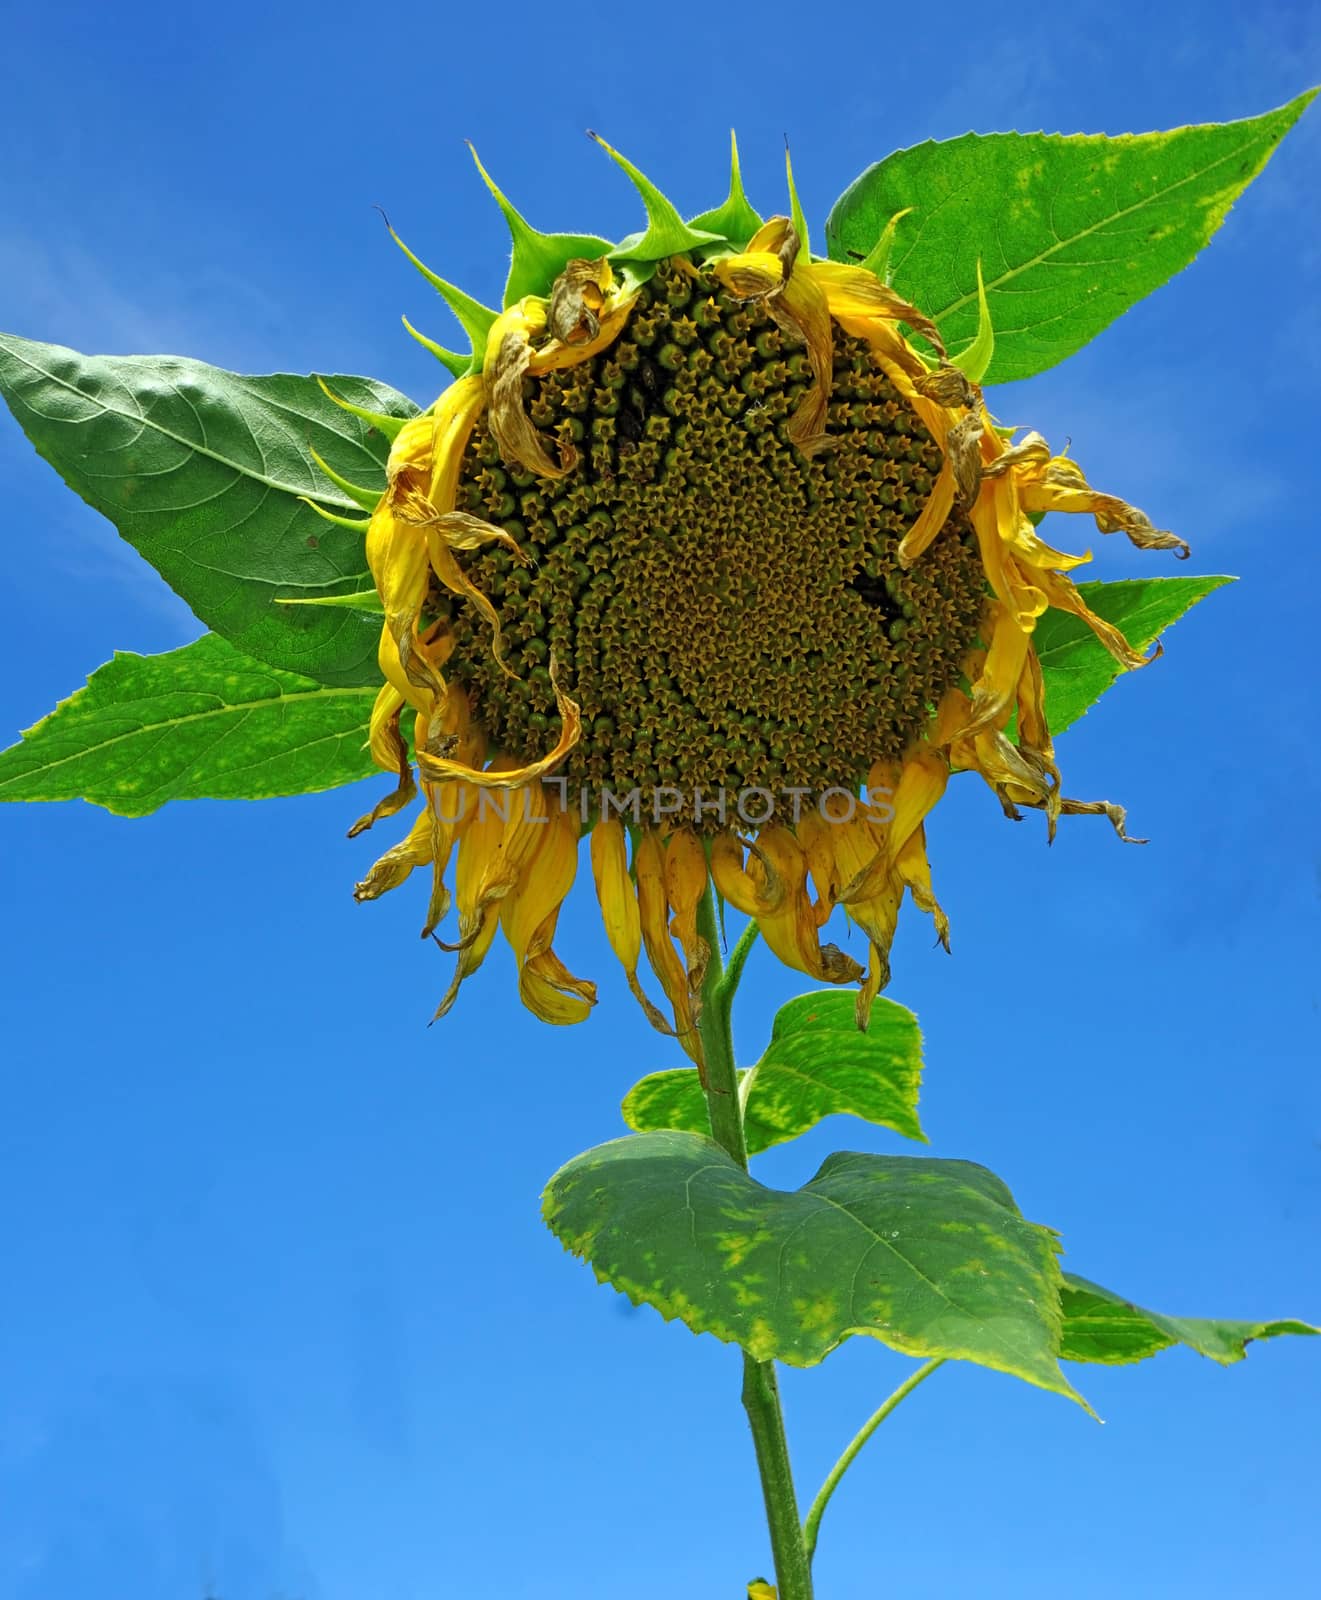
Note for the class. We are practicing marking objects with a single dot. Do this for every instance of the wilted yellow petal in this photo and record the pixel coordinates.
(853, 292)
(528, 915)
(914, 870)
(1061, 593)
(1059, 485)
(576, 301)
(615, 891)
(435, 767)
(508, 356)
(395, 865)
(933, 516)
(390, 751)
(654, 913)
(996, 685)
(685, 885)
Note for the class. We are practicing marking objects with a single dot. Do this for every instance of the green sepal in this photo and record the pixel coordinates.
(455, 362)
(796, 208)
(473, 317)
(538, 258)
(368, 499)
(358, 524)
(368, 600)
(877, 259)
(633, 274)
(667, 233)
(975, 360)
(734, 220)
(391, 427)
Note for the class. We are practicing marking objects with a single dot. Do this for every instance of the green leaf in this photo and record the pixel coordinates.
(1102, 1326)
(816, 1064)
(201, 471)
(930, 1257)
(201, 722)
(1071, 231)
(1077, 667)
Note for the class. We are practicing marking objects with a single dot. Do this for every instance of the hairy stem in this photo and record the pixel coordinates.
(813, 1524)
(761, 1390)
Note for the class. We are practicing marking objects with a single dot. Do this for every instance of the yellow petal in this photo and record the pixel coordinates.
(576, 300)
(396, 864)
(508, 356)
(914, 870)
(791, 930)
(549, 990)
(614, 889)
(498, 777)
(685, 885)
(545, 868)
(815, 835)
(1061, 593)
(460, 530)
(653, 910)
(769, 271)
(851, 291)
(995, 687)
(922, 782)
(1031, 451)
(383, 736)
(453, 419)
(555, 355)
(871, 851)
(860, 853)
(1059, 485)
(387, 746)
(932, 517)
(802, 303)
(457, 581)
(528, 915)
(751, 274)
(754, 897)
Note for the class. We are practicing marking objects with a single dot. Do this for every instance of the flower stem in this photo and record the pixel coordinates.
(812, 1526)
(761, 1390)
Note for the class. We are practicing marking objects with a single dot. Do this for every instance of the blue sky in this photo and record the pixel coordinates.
(281, 1321)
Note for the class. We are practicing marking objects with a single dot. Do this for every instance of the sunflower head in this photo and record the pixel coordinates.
(709, 551)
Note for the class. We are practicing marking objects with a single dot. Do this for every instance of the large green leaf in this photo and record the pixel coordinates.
(1077, 668)
(930, 1257)
(201, 469)
(1070, 231)
(201, 722)
(1102, 1326)
(816, 1064)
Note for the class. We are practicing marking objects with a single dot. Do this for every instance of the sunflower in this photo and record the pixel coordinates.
(711, 553)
